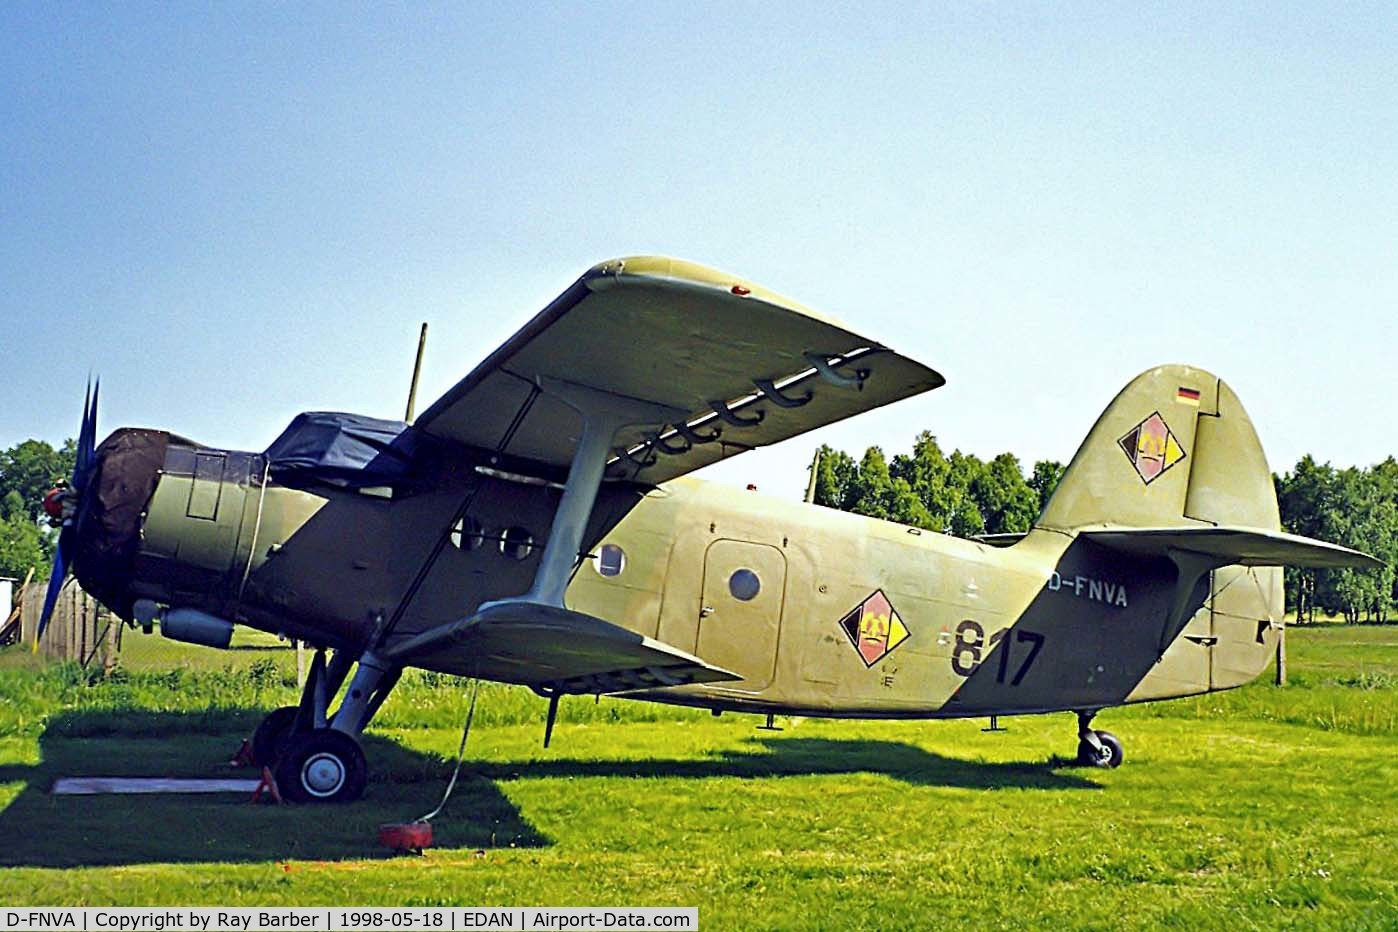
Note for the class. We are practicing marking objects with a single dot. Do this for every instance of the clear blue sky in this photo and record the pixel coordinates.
(238, 212)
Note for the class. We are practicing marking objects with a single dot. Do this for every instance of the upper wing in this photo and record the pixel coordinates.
(749, 367)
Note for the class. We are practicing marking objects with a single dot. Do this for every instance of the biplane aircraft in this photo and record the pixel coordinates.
(537, 526)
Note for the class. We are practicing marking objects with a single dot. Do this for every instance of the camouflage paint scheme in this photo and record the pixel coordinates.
(1151, 574)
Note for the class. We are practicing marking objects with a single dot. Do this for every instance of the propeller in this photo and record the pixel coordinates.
(62, 505)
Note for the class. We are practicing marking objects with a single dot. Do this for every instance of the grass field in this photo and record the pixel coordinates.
(1265, 807)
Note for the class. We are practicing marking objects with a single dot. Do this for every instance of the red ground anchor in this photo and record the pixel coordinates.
(406, 837)
(243, 758)
(268, 786)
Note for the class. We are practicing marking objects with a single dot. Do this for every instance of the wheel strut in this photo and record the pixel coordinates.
(1097, 748)
(1085, 733)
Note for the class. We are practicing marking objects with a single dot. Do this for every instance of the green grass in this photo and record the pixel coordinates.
(142, 652)
(1265, 807)
(1339, 678)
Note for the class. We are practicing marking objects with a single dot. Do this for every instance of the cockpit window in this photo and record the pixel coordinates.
(467, 534)
(516, 543)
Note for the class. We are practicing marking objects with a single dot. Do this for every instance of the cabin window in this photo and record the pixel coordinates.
(467, 534)
(744, 585)
(516, 543)
(610, 560)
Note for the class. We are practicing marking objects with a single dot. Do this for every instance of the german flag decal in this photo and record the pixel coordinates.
(874, 628)
(1151, 447)
(1187, 396)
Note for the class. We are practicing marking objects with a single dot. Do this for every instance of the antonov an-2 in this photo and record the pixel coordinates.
(537, 526)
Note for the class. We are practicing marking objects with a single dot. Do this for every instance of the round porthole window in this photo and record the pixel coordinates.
(744, 585)
(610, 560)
(516, 543)
(467, 534)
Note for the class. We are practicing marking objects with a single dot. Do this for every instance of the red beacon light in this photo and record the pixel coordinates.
(53, 503)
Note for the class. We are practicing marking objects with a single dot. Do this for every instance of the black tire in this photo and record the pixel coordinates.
(272, 734)
(321, 766)
(1110, 757)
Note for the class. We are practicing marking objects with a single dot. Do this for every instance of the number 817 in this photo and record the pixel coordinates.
(970, 641)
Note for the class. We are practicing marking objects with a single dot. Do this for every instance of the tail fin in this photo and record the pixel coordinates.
(1174, 449)
(1173, 468)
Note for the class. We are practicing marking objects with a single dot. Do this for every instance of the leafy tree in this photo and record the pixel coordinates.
(928, 476)
(835, 472)
(1309, 506)
(966, 468)
(1386, 477)
(1005, 500)
(33, 467)
(879, 494)
(943, 484)
(1356, 508)
(22, 544)
(1368, 522)
(27, 471)
(1045, 478)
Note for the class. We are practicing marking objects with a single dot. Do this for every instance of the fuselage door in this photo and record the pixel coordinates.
(741, 609)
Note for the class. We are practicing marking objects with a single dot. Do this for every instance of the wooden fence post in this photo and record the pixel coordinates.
(111, 645)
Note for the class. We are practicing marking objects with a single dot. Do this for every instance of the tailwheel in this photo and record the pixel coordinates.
(321, 766)
(1106, 753)
(272, 735)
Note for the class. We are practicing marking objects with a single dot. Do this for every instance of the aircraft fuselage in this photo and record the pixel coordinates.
(820, 612)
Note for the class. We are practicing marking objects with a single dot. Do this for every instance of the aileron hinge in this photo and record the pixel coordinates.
(769, 389)
(825, 366)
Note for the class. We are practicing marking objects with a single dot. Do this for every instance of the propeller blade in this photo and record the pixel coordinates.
(56, 578)
(83, 463)
(87, 439)
(82, 430)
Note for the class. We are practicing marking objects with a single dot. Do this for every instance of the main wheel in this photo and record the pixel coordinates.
(1110, 756)
(272, 734)
(321, 766)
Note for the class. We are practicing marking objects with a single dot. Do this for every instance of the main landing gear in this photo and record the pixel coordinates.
(315, 757)
(1097, 748)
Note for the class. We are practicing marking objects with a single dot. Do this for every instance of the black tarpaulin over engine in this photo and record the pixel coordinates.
(347, 450)
(110, 513)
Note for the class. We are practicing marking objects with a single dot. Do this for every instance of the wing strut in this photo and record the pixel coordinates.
(603, 414)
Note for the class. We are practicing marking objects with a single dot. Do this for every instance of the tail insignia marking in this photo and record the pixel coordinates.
(874, 628)
(1151, 447)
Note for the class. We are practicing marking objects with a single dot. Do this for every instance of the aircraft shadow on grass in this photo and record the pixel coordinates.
(42, 830)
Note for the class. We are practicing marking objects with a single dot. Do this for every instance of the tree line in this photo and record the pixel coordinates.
(1354, 507)
(966, 496)
(958, 494)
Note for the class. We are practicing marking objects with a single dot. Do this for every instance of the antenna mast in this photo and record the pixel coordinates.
(417, 370)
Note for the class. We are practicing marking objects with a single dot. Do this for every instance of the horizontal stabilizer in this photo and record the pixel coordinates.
(552, 648)
(1228, 546)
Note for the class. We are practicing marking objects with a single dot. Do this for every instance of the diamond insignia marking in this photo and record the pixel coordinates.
(874, 628)
(1151, 447)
